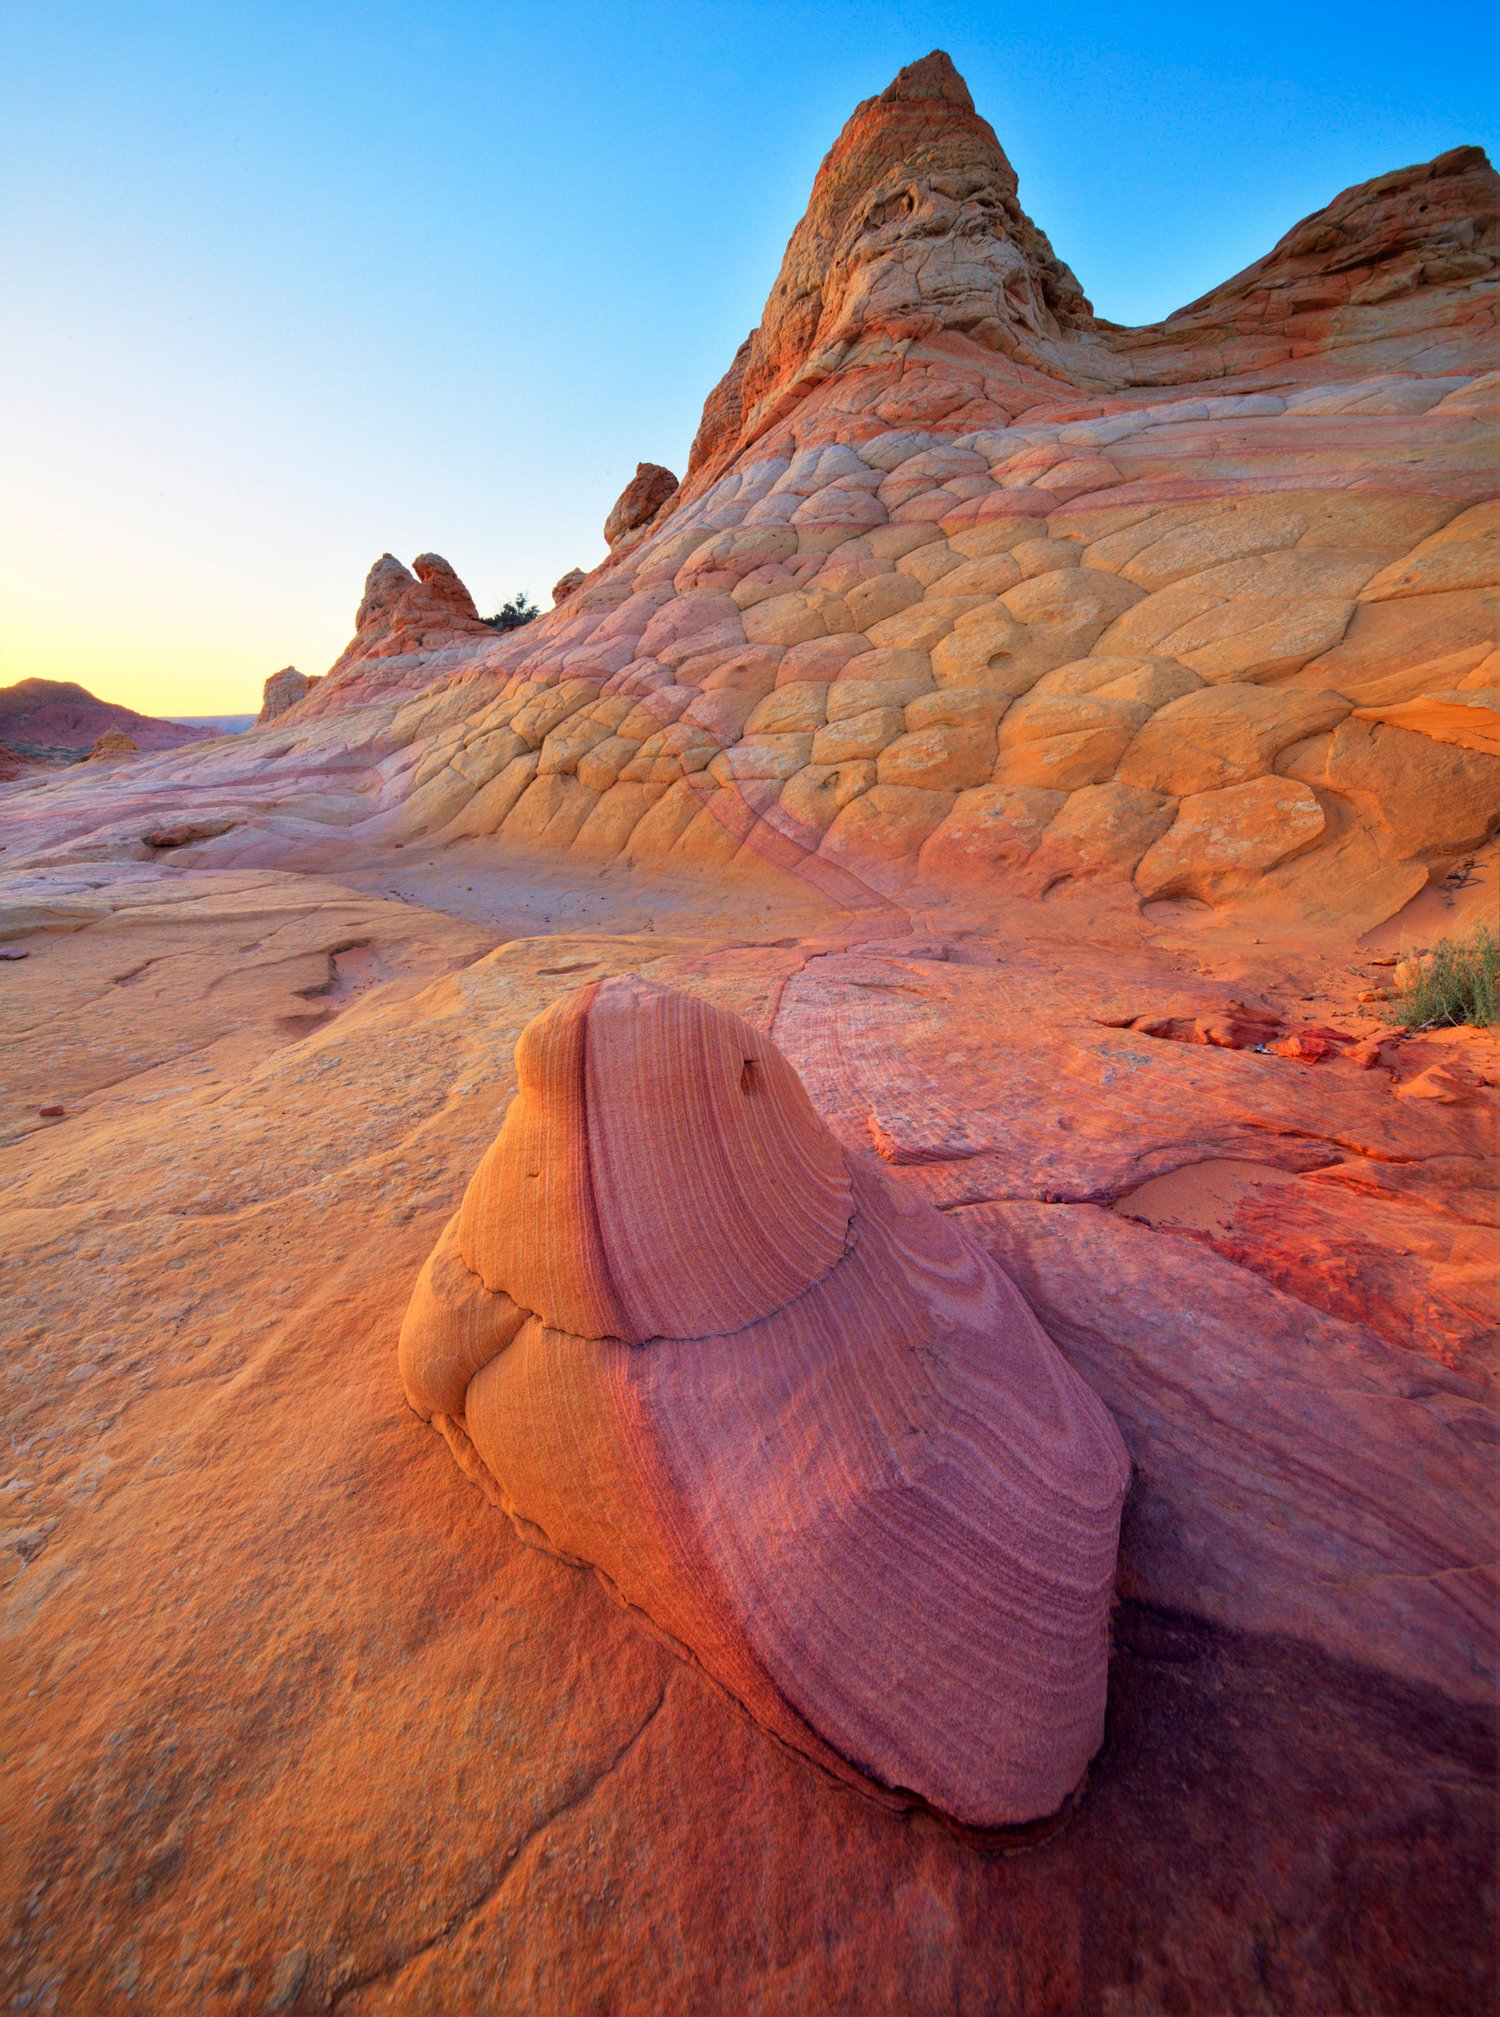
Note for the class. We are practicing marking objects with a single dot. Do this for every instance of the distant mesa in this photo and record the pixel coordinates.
(642, 500)
(785, 1408)
(57, 721)
(283, 690)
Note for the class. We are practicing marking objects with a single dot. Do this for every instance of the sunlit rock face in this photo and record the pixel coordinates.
(789, 1412)
(283, 690)
(913, 227)
(966, 585)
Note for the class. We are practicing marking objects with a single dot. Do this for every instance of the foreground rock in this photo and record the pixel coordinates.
(682, 1336)
(295, 1715)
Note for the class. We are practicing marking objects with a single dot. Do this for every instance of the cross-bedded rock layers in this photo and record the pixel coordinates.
(793, 1415)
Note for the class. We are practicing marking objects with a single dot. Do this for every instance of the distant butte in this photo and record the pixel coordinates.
(55, 718)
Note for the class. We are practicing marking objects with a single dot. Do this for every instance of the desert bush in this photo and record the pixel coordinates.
(511, 615)
(1454, 983)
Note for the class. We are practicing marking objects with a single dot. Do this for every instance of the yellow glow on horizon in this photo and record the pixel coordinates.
(162, 647)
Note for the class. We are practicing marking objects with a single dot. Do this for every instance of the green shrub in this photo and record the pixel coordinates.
(511, 615)
(1454, 983)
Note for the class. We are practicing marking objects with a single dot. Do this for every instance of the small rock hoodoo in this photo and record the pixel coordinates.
(283, 690)
(642, 500)
(792, 1415)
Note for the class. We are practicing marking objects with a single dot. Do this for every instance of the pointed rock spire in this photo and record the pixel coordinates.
(931, 76)
(913, 227)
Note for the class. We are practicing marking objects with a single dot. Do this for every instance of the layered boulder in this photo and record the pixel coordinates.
(787, 1410)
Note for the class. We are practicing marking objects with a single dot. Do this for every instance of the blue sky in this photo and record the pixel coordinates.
(290, 286)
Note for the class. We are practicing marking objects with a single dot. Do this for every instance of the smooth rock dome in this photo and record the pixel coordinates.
(787, 1411)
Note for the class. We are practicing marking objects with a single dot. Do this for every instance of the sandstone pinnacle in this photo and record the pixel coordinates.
(913, 227)
(932, 76)
(404, 611)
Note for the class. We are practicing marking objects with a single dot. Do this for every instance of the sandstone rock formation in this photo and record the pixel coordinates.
(1184, 630)
(421, 615)
(642, 500)
(114, 743)
(568, 584)
(283, 690)
(914, 227)
(797, 1419)
(966, 584)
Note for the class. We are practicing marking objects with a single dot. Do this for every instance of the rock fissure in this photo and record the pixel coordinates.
(513, 1856)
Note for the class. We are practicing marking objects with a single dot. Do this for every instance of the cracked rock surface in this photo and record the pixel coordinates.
(296, 1722)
